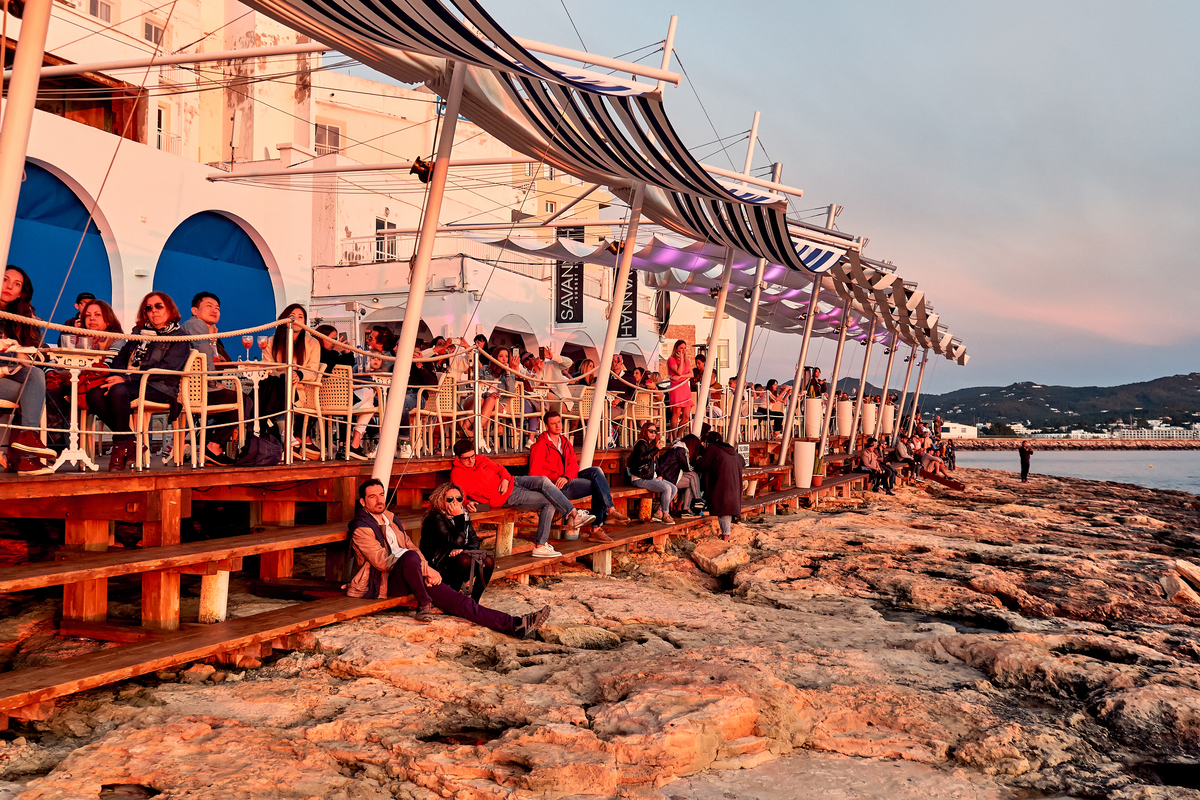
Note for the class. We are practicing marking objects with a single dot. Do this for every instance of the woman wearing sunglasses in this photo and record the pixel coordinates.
(450, 544)
(111, 400)
(643, 471)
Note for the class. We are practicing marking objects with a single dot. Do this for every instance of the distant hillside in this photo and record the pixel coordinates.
(1176, 398)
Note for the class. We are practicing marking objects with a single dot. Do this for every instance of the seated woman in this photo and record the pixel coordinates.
(675, 465)
(20, 381)
(98, 318)
(643, 471)
(306, 361)
(112, 400)
(450, 544)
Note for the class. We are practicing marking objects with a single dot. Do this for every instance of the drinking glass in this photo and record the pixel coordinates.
(264, 342)
(247, 342)
(83, 342)
(67, 340)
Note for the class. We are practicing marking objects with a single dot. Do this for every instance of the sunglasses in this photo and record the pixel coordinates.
(456, 499)
(153, 307)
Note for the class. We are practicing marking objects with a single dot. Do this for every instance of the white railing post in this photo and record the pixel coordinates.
(389, 428)
(710, 358)
(916, 404)
(477, 417)
(837, 365)
(794, 400)
(887, 379)
(912, 359)
(862, 383)
(595, 422)
(289, 392)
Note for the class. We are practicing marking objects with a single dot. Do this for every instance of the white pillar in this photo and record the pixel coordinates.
(912, 359)
(887, 379)
(591, 434)
(18, 114)
(912, 418)
(862, 385)
(837, 365)
(389, 428)
(794, 401)
(710, 360)
(214, 597)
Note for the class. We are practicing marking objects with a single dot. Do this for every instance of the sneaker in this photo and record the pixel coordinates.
(598, 535)
(528, 625)
(615, 515)
(580, 518)
(424, 614)
(31, 443)
(28, 467)
(359, 453)
(219, 459)
(666, 520)
(545, 551)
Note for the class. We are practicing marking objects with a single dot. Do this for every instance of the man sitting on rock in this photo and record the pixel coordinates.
(387, 563)
(553, 457)
(485, 481)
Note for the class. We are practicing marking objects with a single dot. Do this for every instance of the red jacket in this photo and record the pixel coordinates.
(545, 459)
(481, 482)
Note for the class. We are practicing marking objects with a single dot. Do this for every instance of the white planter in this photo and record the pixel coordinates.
(889, 419)
(814, 414)
(803, 456)
(845, 416)
(868, 418)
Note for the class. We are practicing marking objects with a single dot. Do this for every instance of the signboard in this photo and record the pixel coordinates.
(628, 326)
(744, 452)
(568, 293)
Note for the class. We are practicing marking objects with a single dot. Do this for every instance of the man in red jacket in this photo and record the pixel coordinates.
(485, 481)
(553, 457)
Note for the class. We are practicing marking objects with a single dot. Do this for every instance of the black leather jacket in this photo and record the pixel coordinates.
(441, 533)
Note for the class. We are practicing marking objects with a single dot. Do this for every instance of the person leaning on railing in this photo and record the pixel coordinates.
(306, 360)
(113, 399)
(20, 381)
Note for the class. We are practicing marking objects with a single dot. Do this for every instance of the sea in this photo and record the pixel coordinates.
(1155, 469)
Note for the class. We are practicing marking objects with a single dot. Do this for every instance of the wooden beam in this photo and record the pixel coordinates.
(121, 506)
(278, 563)
(87, 600)
(160, 590)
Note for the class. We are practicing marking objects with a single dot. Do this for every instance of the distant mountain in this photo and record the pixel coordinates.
(1176, 398)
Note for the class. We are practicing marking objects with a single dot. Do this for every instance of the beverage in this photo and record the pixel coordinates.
(67, 340)
(247, 342)
(264, 344)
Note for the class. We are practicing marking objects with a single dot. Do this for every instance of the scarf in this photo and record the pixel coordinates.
(139, 353)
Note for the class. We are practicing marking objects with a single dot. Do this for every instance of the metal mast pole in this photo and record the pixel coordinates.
(837, 365)
(591, 434)
(887, 379)
(18, 114)
(912, 359)
(702, 391)
(912, 418)
(389, 428)
(794, 400)
(862, 384)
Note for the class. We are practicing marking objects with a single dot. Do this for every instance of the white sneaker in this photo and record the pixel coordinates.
(544, 551)
(580, 518)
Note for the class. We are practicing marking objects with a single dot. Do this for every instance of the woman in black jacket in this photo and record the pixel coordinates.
(675, 466)
(643, 471)
(450, 544)
(722, 468)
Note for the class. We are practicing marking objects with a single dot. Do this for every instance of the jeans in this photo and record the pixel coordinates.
(689, 487)
(537, 493)
(27, 388)
(410, 404)
(665, 489)
(405, 578)
(591, 481)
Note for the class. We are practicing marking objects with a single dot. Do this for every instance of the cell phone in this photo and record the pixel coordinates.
(542, 353)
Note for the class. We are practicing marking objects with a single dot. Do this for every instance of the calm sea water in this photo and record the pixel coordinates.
(1174, 469)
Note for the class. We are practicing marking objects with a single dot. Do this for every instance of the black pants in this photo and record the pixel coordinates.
(1024, 470)
(272, 400)
(113, 406)
(227, 420)
(405, 578)
(456, 571)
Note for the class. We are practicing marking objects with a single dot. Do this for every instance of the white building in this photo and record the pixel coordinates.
(953, 430)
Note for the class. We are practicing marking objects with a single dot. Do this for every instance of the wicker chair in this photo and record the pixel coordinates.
(142, 410)
(307, 405)
(439, 412)
(582, 412)
(195, 401)
(638, 410)
(337, 399)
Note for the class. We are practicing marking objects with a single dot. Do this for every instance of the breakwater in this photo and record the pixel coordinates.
(1079, 444)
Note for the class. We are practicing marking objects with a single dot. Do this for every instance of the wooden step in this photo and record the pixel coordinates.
(35, 685)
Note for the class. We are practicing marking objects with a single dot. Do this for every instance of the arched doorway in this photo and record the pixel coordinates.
(209, 252)
(51, 220)
(393, 318)
(513, 331)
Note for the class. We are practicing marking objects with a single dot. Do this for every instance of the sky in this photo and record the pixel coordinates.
(1034, 166)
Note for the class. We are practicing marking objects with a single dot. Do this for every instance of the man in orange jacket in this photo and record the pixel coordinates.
(552, 456)
(485, 481)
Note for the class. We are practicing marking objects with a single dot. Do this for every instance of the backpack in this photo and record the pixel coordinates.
(260, 451)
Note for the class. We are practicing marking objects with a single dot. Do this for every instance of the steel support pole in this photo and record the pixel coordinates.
(887, 379)
(794, 401)
(912, 359)
(710, 360)
(389, 428)
(591, 433)
(912, 418)
(837, 365)
(18, 114)
(862, 383)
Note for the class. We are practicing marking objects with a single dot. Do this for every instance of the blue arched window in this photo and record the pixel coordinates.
(209, 252)
(50, 223)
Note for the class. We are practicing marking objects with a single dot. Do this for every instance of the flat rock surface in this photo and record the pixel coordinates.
(1010, 641)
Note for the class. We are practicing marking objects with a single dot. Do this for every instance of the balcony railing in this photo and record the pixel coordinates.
(170, 142)
(326, 149)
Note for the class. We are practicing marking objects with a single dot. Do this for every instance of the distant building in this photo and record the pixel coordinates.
(952, 430)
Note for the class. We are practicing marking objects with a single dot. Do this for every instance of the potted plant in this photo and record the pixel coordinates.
(818, 471)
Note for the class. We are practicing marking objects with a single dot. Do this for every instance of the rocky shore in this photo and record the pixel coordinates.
(1079, 444)
(1012, 641)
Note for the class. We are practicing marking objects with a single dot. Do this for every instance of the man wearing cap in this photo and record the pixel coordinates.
(81, 300)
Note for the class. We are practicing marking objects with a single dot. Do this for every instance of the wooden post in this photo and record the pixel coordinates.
(279, 563)
(602, 562)
(504, 536)
(340, 508)
(160, 590)
(86, 601)
(214, 597)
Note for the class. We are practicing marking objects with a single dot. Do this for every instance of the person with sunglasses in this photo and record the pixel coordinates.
(484, 481)
(111, 401)
(642, 467)
(388, 564)
(450, 544)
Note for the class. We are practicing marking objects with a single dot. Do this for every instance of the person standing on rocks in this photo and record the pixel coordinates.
(1025, 451)
(387, 563)
(722, 467)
